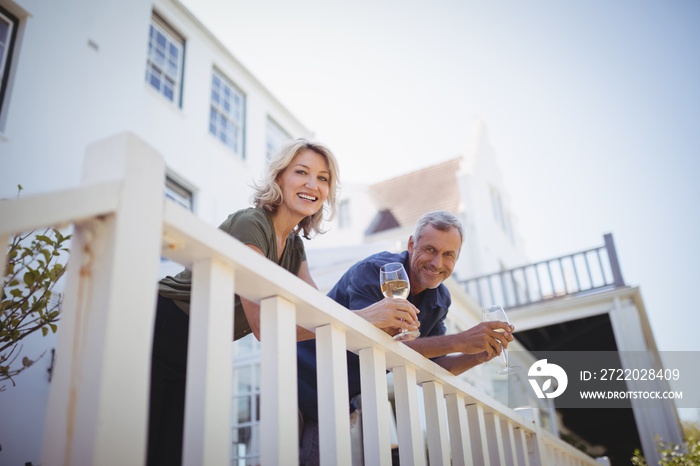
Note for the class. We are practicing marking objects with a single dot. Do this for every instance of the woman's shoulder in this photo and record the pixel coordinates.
(246, 217)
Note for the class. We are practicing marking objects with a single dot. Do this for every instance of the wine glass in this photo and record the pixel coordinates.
(394, 282)
(497, 314)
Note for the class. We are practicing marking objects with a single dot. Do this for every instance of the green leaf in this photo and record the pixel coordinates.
(44, 239)
(16, 292)
(54, 327)
(29, 278)
(47, 255)
(44, 330)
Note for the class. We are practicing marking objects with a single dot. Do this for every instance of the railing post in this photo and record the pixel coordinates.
(477, 429)
(375, 409)
(614, 262)
(98, 402)
(459, 429)
(411, 447)
(334, 420)
(207, 434)
(279, 421)
(495, 437)
(436, 424)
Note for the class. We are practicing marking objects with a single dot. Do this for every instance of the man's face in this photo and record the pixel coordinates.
(432, 258)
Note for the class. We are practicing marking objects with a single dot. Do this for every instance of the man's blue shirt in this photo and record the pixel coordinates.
(357, 289)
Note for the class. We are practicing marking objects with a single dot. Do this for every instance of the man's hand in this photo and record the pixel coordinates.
(391, 314)
(477, 345)
(488, 337)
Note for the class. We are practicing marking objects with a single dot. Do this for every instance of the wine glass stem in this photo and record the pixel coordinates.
(504, 355)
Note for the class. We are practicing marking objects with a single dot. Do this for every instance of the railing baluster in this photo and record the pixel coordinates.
(411, 447)
(539, 281)
(563, 275)
(436, 424)
(521, 447)
(477, 432)
(334, 421)
(602, 270)
(279, 421)
(375, 409)
(527, 286)
(459, 429)
(573, 266)
(494, 437)
(508, 442)
(207, 436)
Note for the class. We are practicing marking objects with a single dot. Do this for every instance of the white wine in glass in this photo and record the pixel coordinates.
(497, 314)
(393, 280)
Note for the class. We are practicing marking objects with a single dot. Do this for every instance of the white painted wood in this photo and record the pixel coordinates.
(207, 434)
(279, 421)
(375, 409)
(57, 209)
(411, 446)
(508, 435)
(477, 431)
(521, 447)
(494, 437)
(459, 429)
(436, 424)
(97, 408)
(332, 376)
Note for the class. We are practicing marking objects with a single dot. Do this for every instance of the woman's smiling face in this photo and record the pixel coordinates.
(304, 184)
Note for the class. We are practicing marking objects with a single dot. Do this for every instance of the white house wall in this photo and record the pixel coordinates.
(68, 93)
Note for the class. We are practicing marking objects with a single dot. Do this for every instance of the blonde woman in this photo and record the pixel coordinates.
(299, 187)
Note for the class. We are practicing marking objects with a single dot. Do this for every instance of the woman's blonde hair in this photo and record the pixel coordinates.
(268, 194)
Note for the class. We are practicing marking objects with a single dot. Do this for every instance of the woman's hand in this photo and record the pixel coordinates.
(391, 315)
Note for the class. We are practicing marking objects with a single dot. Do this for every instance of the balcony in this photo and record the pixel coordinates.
(97, 409)
(574, 275)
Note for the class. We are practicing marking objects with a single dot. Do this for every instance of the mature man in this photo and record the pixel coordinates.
(431, 256)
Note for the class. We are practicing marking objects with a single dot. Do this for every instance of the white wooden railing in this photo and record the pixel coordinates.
(97, 411)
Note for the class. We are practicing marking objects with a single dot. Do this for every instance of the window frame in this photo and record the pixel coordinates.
(172, 38)
(6, 59)
(279, 136)
(179, 193)
(218, 113)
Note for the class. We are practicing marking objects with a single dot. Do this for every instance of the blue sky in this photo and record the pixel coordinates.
(593, 108)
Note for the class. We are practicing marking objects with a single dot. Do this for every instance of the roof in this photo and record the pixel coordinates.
(407, 197)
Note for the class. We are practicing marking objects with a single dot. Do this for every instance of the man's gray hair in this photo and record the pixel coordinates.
(440, 220)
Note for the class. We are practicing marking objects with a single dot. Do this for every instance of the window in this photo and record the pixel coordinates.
(178, 193)
(245, 407)
(276, 136)
(227, 115)
(499, 213)
(344, 219)
(8, 33)
(166, 49)
(246, 413)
